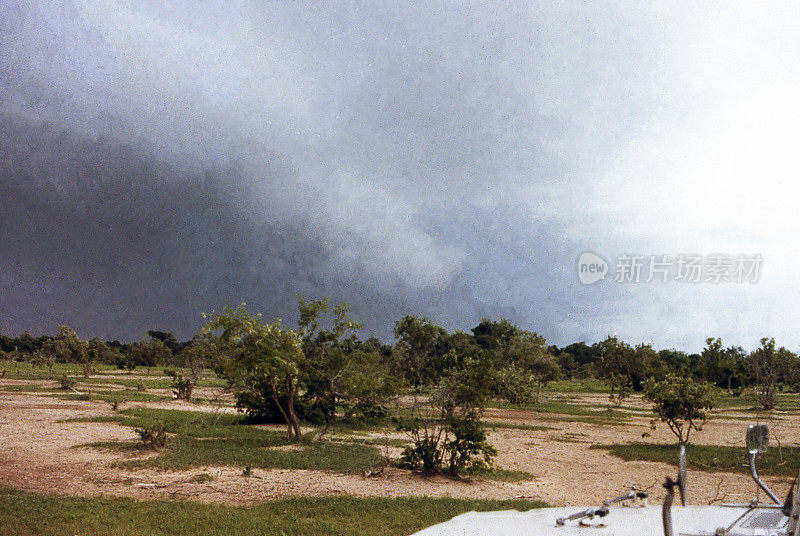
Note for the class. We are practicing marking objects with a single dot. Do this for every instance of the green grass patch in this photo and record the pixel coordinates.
(84, 394)
(129, 382)
(561, 410)
(347, 426)
(155, 381)
(576, 386)
(25, 514)
(787, 403)
(491, 425)
(502, 475)
(184, 453)
(24, 370)
(377, 441)
(206, 439)
(125, 395)
(775, 462)
(30, 388)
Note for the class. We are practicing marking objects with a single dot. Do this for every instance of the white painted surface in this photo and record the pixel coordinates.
(621, 521)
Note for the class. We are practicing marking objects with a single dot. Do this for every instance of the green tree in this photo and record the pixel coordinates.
(497, 337)
(621, 388)
(420, 350)
(46, 356)
(104, 352)
(261, 361)
(673, 360)
(67, 347)
(365, 385)
(733, 366)
(149, 353)
(529, 351)
(167, 338)
(712, 361)
(514, 385)
(583, 354)
(680, 402)
(619, 359)
(326, 349)
(769, 367)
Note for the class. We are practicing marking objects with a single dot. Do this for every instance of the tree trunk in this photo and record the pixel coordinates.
(280, 408)
(295, 424)
(328, 419)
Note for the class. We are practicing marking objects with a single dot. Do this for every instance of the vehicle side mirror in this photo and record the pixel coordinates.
(757, 438)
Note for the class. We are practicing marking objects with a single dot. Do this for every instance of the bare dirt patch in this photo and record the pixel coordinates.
(38, 454)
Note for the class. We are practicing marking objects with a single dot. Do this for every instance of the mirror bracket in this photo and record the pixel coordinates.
(757, 438)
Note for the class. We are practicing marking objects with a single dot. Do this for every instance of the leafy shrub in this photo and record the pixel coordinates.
(425, 455)
(452, 446)
(153, 437)
(365, 411)
(182, 386)
(621, 388)
(514, 385)
(468, 449)
(445, 428)
(67, 383)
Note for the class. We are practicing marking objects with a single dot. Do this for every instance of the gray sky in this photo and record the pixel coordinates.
(158, 160)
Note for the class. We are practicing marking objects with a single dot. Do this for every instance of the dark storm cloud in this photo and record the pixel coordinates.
(162, 159)
(105, 237)
(101, 236)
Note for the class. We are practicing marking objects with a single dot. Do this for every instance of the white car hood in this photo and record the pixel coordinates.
(621, 521)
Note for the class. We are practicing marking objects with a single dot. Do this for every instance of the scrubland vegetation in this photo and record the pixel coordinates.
(333, 402)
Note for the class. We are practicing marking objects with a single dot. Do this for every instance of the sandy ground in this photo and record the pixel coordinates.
(38, 453)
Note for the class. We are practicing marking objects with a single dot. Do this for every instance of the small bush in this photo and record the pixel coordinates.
(153, 437)
(468, 449)
(182, 386)
(621, 388)
(67, 383)
(424, 455)
(452, 447)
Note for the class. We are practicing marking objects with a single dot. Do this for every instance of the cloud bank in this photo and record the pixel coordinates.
(450, 161)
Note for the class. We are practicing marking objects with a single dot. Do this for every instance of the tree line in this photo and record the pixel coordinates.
(422, 352)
